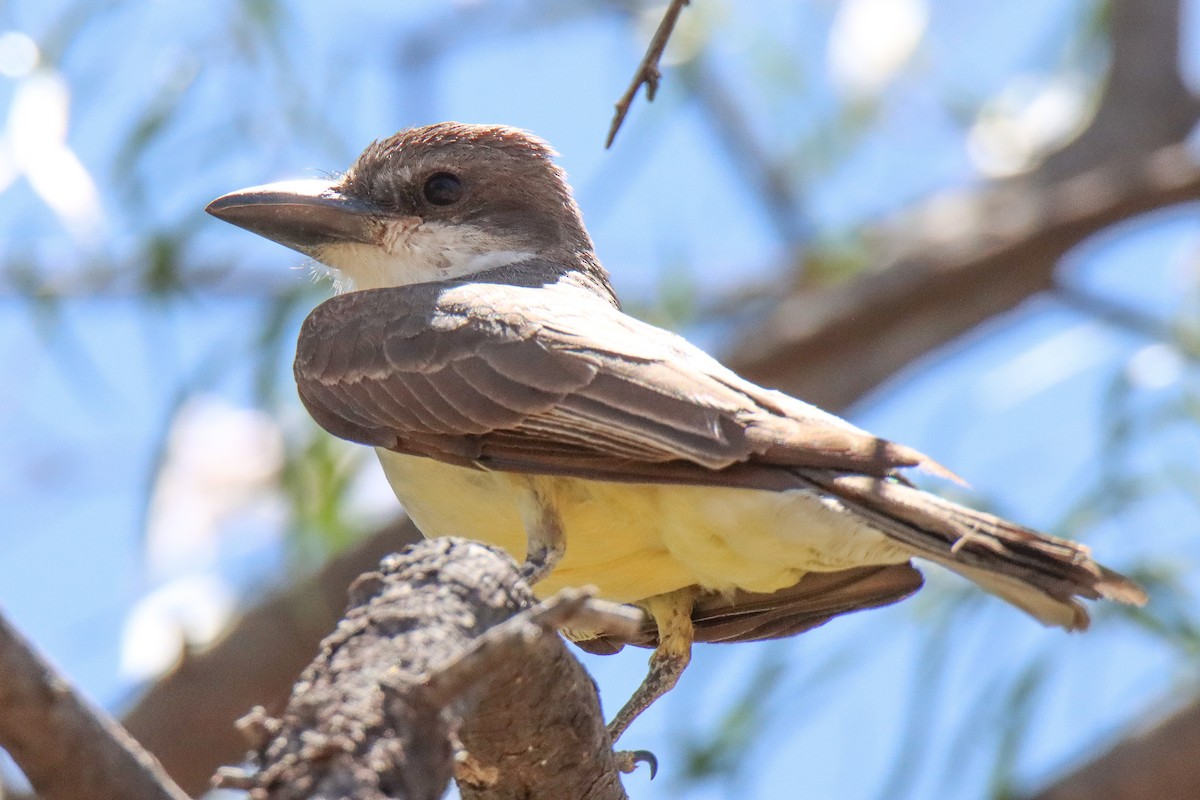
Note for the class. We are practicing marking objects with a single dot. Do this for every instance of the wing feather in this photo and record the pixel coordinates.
(533, 373)
(510, 395)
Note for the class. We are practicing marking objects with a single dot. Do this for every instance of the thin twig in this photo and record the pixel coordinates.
(647, 72)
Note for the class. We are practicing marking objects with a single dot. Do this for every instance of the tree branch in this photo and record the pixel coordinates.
(1145, 103)
(959, 261)
(66, 747)
(1154, 764)
(253, 664)
(1003, 248)
(444, 639)
(1114, 313)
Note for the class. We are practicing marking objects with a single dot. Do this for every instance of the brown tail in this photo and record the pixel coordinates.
(1040, 574)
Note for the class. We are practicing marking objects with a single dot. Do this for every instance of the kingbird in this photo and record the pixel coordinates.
(477, 344)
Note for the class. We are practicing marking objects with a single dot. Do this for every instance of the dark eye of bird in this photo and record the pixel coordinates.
(442, 188)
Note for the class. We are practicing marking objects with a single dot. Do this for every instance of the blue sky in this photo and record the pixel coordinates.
(1019, 408)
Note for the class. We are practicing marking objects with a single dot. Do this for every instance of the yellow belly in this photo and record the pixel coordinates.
(634, 541)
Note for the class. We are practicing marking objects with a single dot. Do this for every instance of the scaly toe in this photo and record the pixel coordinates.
(628, 760)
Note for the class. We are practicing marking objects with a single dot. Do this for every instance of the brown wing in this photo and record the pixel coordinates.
(751, 617)
(553, 380)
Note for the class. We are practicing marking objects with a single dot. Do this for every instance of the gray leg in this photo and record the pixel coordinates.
(673, 614)
(542, 556)
(544, 533)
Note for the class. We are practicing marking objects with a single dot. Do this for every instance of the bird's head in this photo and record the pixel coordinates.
(428, 204)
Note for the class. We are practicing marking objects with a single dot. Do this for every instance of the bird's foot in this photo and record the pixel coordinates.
(541, 559)
(545, 543)
(665, 669)
(628, 760)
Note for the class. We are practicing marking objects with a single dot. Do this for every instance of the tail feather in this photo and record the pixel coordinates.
(1040, 574)
(1066, 613)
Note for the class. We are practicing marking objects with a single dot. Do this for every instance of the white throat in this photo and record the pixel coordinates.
(410, 251)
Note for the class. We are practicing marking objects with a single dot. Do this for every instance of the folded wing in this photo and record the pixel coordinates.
(552, 380)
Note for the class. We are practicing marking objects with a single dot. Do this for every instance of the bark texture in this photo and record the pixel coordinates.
(66, 747)
(255, 663)
(443, 644)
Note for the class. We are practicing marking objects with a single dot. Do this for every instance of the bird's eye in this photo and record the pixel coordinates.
(442, 188)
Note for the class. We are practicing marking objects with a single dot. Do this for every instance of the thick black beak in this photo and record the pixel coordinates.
(304, 215)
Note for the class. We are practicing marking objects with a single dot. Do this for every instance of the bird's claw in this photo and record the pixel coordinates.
(628, 760)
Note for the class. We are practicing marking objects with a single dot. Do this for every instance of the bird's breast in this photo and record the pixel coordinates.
(633, 541)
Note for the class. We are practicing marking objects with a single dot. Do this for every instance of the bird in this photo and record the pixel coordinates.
(477, 343)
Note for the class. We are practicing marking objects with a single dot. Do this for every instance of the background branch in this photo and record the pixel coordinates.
(1005, 247)
(1145, 103)
(781, 201)
(1159, 763)
(66, 747)
(951, 264)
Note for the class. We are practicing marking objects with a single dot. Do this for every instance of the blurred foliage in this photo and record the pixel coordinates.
(720, 752)
(315, 477)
